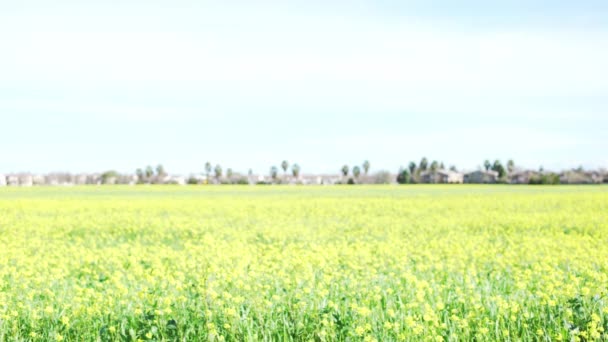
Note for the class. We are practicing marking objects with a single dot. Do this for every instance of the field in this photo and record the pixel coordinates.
(274, 263)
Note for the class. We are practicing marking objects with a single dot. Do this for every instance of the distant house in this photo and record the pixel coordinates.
(94, 179)
(522, 177)
(38, 180)
(176, 180)
(579, 177)
(441, 176)
(2, 180)
(26, 180)
(80, 179)
(481, 177)
(12, 180)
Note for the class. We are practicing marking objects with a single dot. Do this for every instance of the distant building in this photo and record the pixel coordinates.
(12, 180)
(80, 179)
(579, 177)
(481, 177)
(522, 177)
(38, 180)
(2, 180)
(441, 176)
(26, 180)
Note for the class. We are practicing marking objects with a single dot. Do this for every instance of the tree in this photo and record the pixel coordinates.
(149, 172)
(412, 167)
(160, 170)
(366, 166)
(497, 166)
(274, 171)
(218, 171)
(403, 177)
(356, 172)
(109, 177)
(453, 168)
(487, 165)
(434, 166)
(140, 175)
(424, 164)
(510, 165)
(229, 173)
(345, 170)
(284, 166)
(441, 166)
(208, 169)
(383, 177)
(295, 170)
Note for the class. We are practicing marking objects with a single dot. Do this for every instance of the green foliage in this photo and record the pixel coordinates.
(356, 171)
(218, 171)
(424, 163)
(108, 176)
(274, 171)
(403, 177)
(510, 166)
(345, 170)
(160, 170)
(383, 177)
(149, 172)
(241, 181)
(497, 166)
(295, 170)
(434, 166)
(545, 178)
(208, 169)
(487, 165)
(412, 167)
(366, 165)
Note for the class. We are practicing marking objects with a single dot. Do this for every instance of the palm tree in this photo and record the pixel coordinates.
(356, 172)
(487, 165)
(366, 166)
(274, 172)
(434, 166)
(499, 168)
(160, 170)
(424, 163)
(510, 165)
(229, 173)
(140, 175)
(441, 166)
(208, 169)
(149, 172)
(345, 170)
(284, 166)
(412, 167)
(218, 171)
(295, 171)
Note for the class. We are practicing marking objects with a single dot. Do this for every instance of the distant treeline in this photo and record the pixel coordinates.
(423, 172)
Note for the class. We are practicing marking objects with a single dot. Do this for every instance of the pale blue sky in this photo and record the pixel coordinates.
(122, 84)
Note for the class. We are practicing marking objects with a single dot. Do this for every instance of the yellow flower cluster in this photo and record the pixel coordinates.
(432, 263)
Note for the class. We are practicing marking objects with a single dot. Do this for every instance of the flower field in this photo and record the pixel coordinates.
(414, 263)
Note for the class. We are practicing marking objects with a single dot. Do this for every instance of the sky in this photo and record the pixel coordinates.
(90, 86)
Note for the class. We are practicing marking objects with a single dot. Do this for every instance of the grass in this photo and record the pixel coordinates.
(304, 263)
